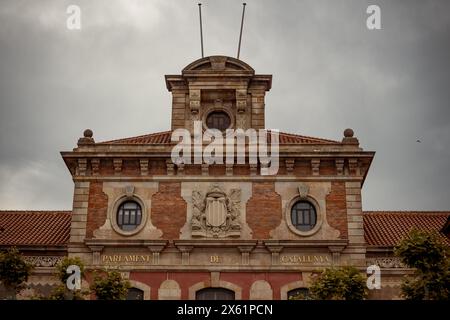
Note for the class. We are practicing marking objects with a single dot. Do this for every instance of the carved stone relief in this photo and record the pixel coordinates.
(216, 213)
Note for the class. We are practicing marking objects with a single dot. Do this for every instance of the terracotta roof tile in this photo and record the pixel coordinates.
(164, 138)
(387, 228)
(34, 228)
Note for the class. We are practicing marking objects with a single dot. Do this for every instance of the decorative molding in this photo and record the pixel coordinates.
(129, 191)
(315, 166)
(205, 169)
(117, 163)
(43, 261)
(353, 167)
(386, 262)
(340, 167)
(194, 101)
(241, 100)
(82, 167)
(216, 214)
(275, 251)
(228, 169)
(303, 191)
(185, 252)
(290, 166)
(95, 165)
(221, 284)
(245, 254)
(96, 252)
(144, 166)
(253, 169)
(170, 168)
(180, 169)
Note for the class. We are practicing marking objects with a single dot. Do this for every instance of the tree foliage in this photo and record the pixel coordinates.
(345, 283)
(14, 270)
(430, 258)
(61, 268)
(110, 286)
(61, 292)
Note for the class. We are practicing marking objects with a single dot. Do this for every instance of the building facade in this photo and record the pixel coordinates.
(208, 231)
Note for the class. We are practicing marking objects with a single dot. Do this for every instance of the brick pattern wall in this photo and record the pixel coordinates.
(169, 210)
(97, 208)
(337, 208)
(263, 209)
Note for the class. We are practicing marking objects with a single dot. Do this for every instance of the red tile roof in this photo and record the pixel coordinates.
(165, 136)
(34, 228)
(387, 228)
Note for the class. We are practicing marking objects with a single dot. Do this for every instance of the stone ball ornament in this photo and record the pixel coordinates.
(88, 133)
(348, 133)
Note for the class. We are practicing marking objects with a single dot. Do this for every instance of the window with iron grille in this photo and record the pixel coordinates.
(218, 120)
(303, 216)
(129, 215)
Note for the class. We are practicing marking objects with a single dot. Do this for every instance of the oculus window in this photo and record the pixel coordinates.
(303, 216)
(129, 215)
(219, 120)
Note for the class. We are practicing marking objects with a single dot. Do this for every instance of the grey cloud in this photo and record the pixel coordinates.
(330, 73)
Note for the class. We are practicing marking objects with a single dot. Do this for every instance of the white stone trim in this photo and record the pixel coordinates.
(221, 284)
(291, 286)
(141, 286)
(169, 290)
(261, 290)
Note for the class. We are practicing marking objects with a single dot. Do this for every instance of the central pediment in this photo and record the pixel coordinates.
(218, 64)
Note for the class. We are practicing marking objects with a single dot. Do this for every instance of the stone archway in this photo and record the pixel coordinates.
(141, 286)
(261, 290)
(169, 290)
(219, 284)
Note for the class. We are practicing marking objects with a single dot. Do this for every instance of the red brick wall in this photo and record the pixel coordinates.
(337, 208)
(263, 209)
(169, 210)
(97, 208)
(302, 168)
(131, 167)
(327, 168)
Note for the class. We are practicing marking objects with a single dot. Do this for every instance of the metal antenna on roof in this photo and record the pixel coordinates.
(242, 26)
(201, 29)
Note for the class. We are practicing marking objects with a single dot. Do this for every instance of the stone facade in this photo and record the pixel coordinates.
(221, 225)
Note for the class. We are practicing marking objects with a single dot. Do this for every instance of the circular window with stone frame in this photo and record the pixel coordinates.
(303, 216)
(218, 119)
(128, 216)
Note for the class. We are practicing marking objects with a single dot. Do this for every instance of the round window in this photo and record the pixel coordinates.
(218, 120)
(129, 215)
(303, 216)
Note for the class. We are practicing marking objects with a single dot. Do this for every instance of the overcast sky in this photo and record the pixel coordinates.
(392, 86)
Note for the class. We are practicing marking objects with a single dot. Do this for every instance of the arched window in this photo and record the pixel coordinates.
(214, 294)
(303, 215)
(298, 294)
(129, 215)
(218, 120)
(135, 294)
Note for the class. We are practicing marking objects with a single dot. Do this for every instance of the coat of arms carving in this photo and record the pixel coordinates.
(216, 213)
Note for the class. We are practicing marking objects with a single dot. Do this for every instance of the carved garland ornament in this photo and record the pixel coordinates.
(43, 261)
(386, 262)
(216, 214)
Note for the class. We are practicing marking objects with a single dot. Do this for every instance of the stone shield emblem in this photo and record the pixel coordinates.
(216, 211)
